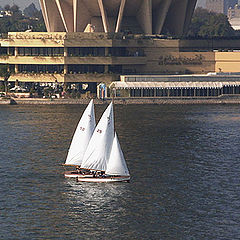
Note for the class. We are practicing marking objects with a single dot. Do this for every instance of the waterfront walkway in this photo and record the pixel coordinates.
(41, 101)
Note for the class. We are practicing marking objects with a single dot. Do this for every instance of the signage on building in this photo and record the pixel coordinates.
(171, 60)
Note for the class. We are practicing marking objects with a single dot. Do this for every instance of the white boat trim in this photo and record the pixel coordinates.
(73, 174)
(76, 175)
(104, 179)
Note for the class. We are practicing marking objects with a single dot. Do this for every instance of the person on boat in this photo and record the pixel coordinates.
(101, 174)
(78, 169)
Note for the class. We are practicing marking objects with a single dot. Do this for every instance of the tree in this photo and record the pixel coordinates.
(207, 24)
(15, 9)
(17, 22)
(31, 11)
(7, 7)
(5, 73)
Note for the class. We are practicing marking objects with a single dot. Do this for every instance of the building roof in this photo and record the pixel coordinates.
(210, 77)
(139, 85)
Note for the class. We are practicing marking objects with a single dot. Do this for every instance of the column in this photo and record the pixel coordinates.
(106, 51)
(16, 68)
(65, 53)
(159, 15)
(15, 51)
(104, 16)
(120, 15)
(106, 68)
(65, 70)
(144, 16)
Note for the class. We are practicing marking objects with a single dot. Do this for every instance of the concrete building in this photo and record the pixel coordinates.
(136, 16)
(80, 53)
(97, 57)
(176, 86)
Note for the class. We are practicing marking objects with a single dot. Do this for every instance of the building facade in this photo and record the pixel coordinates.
(94, 57)
(84, 60)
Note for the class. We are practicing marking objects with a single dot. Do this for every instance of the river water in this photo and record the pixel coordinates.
(184, 162)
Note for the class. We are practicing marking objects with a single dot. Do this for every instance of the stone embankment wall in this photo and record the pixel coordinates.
(5, 101)
(35, 101)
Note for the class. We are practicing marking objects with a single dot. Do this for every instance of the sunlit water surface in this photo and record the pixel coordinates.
(184, 162)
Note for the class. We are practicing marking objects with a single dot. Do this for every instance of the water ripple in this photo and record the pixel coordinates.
(184, 162)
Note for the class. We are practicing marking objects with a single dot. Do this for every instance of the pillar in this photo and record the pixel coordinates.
(16, 68)
(106, 51)
(65, 70)
(15, 51)
(106, 68)
(120, 16)
(144, 16)
(65, 54)
(104, 16)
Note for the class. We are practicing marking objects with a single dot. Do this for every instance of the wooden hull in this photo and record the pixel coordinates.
(104, 179)
(72, 174)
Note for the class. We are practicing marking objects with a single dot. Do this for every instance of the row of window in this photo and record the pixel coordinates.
(38, 51)
(71, 69)
(31, 68)
(184, 92)
(72, 51)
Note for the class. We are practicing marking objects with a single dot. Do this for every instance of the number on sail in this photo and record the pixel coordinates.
(99, 131)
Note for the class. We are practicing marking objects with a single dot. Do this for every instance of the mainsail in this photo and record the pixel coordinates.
(99, 147)
(116, 163)
(82, 136)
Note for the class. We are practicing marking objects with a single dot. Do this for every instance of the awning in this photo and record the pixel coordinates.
(149, 85)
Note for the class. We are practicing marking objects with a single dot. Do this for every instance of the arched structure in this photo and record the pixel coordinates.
(137, 16)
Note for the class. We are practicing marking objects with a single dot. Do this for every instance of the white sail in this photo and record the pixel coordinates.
(99, 147)
(82, 136)
(117, 164)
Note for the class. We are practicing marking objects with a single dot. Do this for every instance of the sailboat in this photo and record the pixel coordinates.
(103, 155)
(80, 141)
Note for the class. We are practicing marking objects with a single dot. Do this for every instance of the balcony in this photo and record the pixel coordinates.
(31, 60)
(128, 60)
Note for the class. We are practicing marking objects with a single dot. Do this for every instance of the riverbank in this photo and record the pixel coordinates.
(41, 101)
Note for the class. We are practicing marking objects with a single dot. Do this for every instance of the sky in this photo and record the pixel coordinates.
(24, 3)
(21, 3)
(201, 3)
